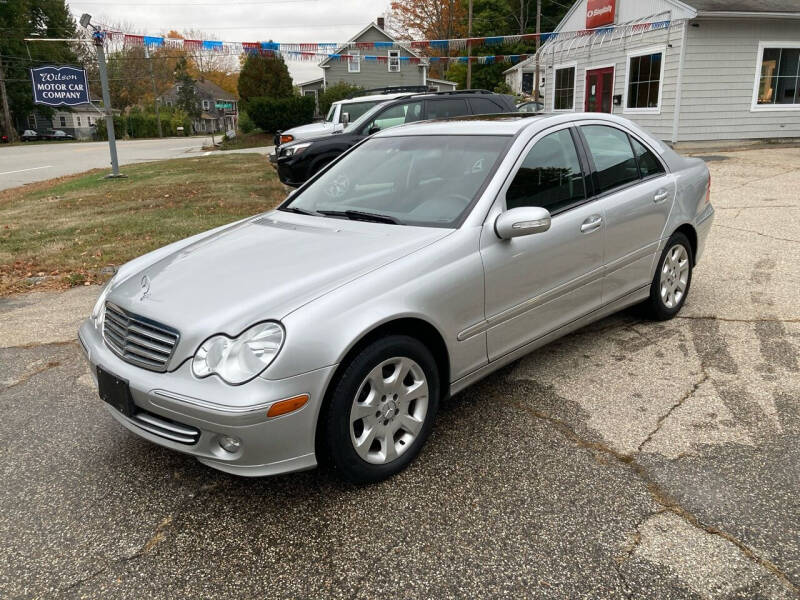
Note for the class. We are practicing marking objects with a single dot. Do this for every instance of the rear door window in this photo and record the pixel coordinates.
(445, 108)
(614, 162)
(484, 106)
(649, 165)
(550, 175)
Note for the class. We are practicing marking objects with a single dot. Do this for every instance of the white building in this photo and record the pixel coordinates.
(693, 70)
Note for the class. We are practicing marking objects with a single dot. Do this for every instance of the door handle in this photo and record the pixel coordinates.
(591, 224)
(660, 196)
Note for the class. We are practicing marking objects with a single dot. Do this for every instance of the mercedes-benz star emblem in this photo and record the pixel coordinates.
(145, 287)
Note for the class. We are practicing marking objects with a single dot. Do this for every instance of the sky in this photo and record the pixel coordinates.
(242, 20)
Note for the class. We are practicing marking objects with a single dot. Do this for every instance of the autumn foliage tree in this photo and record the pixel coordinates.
(429, 19)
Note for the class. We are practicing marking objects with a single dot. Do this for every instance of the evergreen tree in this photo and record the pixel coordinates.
(187, 93)
(33, 18)
(264, 76)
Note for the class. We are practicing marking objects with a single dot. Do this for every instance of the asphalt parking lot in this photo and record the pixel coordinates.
(629, 460)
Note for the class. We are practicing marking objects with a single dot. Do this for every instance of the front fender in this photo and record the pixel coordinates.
(441, 284)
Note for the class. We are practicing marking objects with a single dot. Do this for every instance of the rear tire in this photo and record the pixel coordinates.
(381, 409)
(672, 279)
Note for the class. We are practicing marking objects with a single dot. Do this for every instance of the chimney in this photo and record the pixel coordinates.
(380, 23)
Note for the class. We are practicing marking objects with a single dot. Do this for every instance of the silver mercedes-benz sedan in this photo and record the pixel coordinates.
(420, 261)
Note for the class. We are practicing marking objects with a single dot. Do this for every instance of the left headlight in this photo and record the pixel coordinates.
(294, 150)
(237, 360)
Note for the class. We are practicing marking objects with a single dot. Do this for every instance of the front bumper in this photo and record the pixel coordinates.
(269, 446)
(291, 170)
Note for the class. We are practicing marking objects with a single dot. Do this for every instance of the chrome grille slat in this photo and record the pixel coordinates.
(139, 340)
(166, 428)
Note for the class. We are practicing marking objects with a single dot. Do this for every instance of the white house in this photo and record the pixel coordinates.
(692, 70)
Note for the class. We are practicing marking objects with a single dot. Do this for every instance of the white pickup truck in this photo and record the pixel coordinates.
(340, 114)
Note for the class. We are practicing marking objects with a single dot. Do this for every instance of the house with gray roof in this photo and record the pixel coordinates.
(219, 110)
(396, 70)
(687, 70)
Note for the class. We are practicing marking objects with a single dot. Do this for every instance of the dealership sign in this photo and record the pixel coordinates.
(599, 13)
(59, 86)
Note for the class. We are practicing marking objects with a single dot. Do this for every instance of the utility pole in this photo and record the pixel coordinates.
(469, 48)
(155, 92)
(538, 45)
(9, 127)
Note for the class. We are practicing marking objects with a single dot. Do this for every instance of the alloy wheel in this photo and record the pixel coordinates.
(389, 410)
(674, 276)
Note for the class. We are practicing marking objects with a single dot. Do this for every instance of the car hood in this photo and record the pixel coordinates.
(260, 269)
(303, 132)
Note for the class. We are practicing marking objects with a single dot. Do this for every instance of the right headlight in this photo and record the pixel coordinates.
(240, 359)
(99, 310)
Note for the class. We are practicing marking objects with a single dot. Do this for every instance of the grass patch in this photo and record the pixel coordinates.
(63, 232)
(255, 139)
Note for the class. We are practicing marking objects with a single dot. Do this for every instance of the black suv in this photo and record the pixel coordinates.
(299, 161)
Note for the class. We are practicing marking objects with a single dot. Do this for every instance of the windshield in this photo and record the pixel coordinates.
(329, 117)
(427, 180)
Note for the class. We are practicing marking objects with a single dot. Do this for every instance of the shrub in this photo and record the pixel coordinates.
(334, 93)
(278, 114)
(246, 124)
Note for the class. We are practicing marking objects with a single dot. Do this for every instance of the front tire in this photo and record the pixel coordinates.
(382, 409)
(672, 279)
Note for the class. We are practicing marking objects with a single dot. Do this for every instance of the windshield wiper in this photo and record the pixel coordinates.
(357, 215)
(300, 211)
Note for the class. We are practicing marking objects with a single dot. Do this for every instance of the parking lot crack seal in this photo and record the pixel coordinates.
(671, 410)
(658, 494)
(766, 235)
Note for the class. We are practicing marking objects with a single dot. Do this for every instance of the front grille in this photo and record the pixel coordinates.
(138, 340)
(166, 428)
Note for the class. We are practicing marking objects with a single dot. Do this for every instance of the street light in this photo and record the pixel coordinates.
(86, 22)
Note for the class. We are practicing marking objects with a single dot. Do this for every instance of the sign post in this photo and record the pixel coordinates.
(112, 141)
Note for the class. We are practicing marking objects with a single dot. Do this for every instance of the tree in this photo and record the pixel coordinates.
(187, 93)
(430, 19)
(32, 18)
(264, 76)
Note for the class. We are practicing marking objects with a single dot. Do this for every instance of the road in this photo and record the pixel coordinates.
(28, 163)
(631, 459)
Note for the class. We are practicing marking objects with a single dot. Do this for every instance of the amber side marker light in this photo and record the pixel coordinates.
(283, 407)
(285, 139)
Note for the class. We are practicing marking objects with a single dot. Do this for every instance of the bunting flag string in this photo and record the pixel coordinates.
(340, 51)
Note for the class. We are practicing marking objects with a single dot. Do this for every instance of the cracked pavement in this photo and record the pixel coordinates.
(629, 460)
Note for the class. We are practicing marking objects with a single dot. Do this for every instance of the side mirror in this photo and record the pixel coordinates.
(345, 118)
(373, 129)
(524, 220)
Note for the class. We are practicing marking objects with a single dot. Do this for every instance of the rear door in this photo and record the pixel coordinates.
(537, 283)
(636, 194)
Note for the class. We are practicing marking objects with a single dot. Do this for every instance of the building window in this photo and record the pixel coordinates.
(79, 121)
(63, 120)
(206, 104)
(778, 76)
(564, 89)
(643, 87)
(394, 61)
(354, 61)
(32, 121)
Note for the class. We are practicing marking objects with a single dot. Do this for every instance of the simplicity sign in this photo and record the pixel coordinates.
(59, 86)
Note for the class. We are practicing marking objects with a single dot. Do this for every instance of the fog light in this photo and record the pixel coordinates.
(230, 444)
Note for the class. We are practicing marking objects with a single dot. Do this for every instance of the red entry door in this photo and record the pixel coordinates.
(599, 89)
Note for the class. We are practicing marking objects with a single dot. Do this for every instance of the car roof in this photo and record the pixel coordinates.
(498, 124)
(374, 97)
